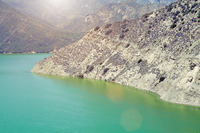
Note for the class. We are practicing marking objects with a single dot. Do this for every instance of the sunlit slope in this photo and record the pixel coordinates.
(111, 13)
(20, 33)
(159, 52)
(71, 15)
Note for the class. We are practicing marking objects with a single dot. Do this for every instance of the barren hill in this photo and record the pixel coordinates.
(20, 33)
(71, 15)
(159, 52)
(111, 13)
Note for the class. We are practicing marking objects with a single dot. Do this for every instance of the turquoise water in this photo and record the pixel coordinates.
(31, 103)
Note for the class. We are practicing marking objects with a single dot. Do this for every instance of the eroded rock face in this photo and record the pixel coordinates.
(159, 52)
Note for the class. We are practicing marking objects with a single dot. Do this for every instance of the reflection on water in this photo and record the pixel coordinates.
(116, 92)
(143, 104)
(47, 104)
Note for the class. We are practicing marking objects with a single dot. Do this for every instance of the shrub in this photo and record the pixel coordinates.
(176, 20)
(89, 69)
(80, 76)
(193, 11)
(194, 5)
(147, 15)
(139, 61)
(121, 36)
(192, 66)
(127, 45)
(124, 26)
(97, 28)
(177, 13)
(194, 20)
(182, 19)
(126, 30)
(108, 25)
(125, 20)
(183, 8)
(173, 26)
(169, 8)
(108, 32)
(186, 12)
(198, 16)
(105, 71)
(165, 45)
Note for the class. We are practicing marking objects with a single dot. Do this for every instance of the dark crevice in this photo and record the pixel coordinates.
(192, 66)
(139, 61)
(162, 79)
(80, 76)
(89, 69)
(105, 71)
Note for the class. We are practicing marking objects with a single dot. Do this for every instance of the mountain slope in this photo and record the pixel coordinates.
(19, 33)
(164, 2)
(111, 13)
(159, 52)
(68, 14)
(55, 12)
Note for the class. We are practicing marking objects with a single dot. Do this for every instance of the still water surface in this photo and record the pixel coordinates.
(31, 103)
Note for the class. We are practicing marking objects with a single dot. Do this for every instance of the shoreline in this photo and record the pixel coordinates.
(138, 89)
(22, 53)
(32, 52)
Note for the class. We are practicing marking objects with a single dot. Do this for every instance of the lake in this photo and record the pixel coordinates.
(31, 103)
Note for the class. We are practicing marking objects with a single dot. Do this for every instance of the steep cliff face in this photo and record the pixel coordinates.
(20, 33)
(160, 52)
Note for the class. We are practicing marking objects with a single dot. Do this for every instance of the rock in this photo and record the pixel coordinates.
(144, 64)
(190, 79)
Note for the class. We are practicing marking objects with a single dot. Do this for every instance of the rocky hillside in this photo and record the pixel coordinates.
(70, 15)
(159, 52)
(60, 13)
(19, 33)
(111, 13)
(164, 2)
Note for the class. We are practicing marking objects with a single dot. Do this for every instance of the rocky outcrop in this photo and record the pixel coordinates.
(159, 52)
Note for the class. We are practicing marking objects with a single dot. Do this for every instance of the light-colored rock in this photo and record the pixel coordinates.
(146, 53)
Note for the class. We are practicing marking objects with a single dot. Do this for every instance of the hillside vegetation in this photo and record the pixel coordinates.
(159, 52)
(111, 13)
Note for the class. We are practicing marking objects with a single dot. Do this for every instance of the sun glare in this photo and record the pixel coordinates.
(56, 3)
